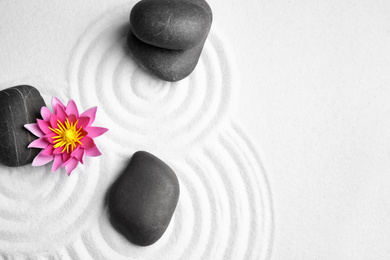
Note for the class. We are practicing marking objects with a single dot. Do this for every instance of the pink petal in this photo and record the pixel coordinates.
(83, 132)
(58, 150)
(41, 159)
(61, 113)
(45, 113)
(71, 108)
(71, 165)
(83, 121)
(49, 137)
(95, 131)
(72, 118)
(48, 150)
(54, 121)
(44, 126)
(54, 102)
(38, 143)
(78, 153)
(75, 151)
(87, 142)
(93, 152)
(82, 157)
(57, 163)
(91, 113)
(72, 154)
(65, 157)
(34, 128)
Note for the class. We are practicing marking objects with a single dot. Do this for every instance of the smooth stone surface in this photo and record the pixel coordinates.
(205, 5)
(171, 24)
(19, 105)
(169, 65)
(142, 200)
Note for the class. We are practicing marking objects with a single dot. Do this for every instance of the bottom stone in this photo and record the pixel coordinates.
(142, 200)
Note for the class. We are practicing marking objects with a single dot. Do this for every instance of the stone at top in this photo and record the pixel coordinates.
(170, 52)
(142, 200)
(169, 65)
(19, 105)
(171, 24)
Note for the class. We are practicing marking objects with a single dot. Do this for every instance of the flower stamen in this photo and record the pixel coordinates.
(68, 136)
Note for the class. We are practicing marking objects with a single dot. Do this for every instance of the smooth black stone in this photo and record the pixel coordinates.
(19, 105)
(169, 65)
(142, 200)
(171, 24)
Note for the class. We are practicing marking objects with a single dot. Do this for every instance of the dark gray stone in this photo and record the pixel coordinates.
(171, 24)
(19, 105)
(169, 50)
(205, 5)
(142, 200)
(169, 65)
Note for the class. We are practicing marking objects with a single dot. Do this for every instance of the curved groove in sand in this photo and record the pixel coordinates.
(224, 210)
(101, 71)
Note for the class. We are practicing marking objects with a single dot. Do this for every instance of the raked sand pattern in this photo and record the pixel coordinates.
(102, 72)
(225, 206)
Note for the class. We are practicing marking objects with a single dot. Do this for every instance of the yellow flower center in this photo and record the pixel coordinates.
(68, 136)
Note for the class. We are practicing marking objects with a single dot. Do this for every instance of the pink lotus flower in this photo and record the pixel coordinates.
(65, 136)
